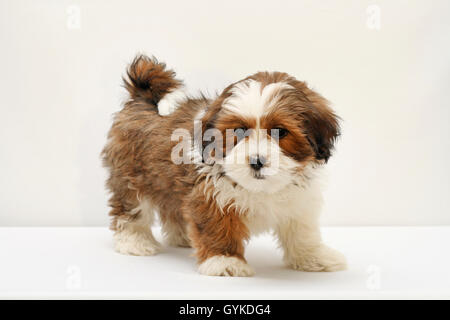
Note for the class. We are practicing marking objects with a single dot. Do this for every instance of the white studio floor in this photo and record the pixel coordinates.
(384, 263)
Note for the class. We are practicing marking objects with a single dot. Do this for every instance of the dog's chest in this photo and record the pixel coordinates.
(264, 212)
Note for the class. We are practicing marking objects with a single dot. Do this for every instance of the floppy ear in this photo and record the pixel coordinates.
(208, 140)
(320, 121)
(213, 141)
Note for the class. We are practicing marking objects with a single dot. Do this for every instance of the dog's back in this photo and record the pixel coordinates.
(138, 153)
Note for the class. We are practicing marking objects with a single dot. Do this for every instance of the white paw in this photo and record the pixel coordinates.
(225, 266)
(317, 259)
(136, 243)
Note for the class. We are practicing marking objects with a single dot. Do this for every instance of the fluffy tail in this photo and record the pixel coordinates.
(149, 79)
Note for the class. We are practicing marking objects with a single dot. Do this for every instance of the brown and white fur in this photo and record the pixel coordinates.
(215, 203)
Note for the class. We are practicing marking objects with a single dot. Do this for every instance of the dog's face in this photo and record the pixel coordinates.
(271, 127)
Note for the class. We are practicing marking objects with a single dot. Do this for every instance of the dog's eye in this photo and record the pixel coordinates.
(240, 133)
(280, 132)
(240, 130)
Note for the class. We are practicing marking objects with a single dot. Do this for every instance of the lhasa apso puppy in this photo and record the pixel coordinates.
(218, 170)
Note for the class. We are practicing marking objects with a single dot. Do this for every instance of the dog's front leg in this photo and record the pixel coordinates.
(218, 237)
(303, 248)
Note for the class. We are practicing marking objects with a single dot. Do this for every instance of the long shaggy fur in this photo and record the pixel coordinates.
(149, 79)
(215, 204)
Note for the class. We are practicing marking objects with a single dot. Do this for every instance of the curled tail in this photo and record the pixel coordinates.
(149, 79)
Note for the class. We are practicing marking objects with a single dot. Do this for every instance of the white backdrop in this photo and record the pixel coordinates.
(385, 65)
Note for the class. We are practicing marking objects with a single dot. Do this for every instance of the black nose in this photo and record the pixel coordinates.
(257, 162)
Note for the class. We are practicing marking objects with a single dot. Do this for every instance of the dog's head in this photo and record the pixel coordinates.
(266, 129)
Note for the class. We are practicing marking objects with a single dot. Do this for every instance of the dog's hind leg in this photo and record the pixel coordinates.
(133, 234)
(174, 229)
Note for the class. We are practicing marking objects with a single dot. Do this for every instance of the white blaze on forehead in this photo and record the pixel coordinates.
(249, 100)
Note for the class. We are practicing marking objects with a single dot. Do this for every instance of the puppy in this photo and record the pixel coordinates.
(220, 170)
